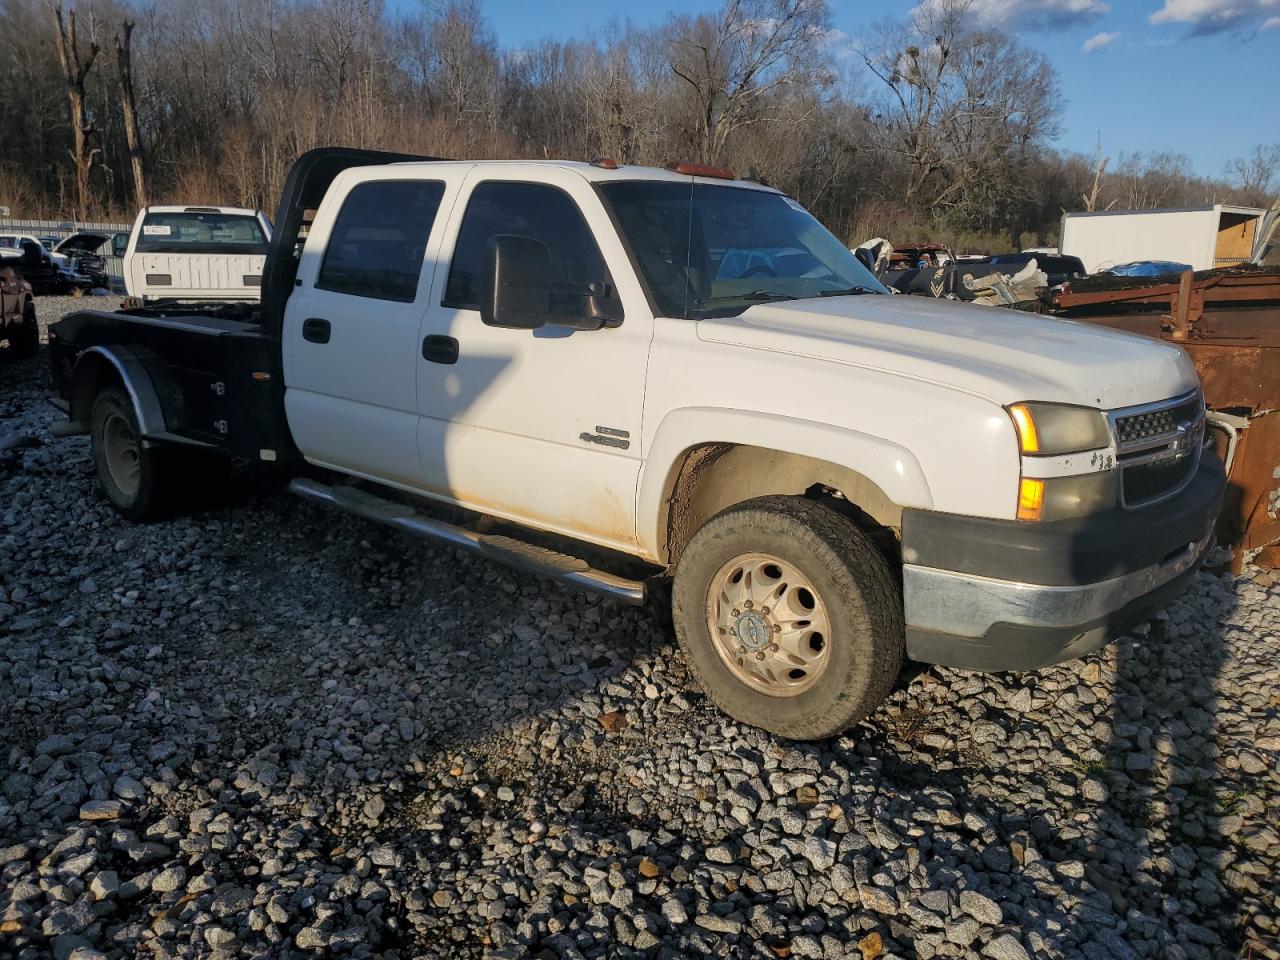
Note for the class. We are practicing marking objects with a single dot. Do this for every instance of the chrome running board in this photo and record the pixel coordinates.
(514, 553)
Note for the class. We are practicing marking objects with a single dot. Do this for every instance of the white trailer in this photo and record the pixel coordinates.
(1204, 237)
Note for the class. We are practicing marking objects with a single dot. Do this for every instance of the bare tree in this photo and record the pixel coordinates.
(129, 109)
(734, 62)
(1090, 197)
(963, 108)
(1255, 175)
(75, 68)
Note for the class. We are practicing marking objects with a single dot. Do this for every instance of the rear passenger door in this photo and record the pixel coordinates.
(351, 325)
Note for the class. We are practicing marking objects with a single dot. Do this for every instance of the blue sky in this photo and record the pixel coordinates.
(1196, 81)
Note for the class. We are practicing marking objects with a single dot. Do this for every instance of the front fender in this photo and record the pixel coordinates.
(893, 468)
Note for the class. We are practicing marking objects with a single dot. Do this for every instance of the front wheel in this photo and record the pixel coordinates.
(790, 617)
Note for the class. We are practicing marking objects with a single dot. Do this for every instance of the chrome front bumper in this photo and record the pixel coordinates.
(975, 622)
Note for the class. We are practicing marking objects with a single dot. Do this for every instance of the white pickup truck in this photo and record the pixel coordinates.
(196, 253)
(614, 374)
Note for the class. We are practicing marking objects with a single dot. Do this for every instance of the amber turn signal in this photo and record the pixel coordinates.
(1030, 499)
(1025, 423)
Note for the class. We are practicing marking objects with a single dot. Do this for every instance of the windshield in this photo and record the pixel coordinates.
(712, 251)
(185, 232)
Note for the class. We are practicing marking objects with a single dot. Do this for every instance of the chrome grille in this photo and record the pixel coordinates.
(1161, 422)
(1158, 447)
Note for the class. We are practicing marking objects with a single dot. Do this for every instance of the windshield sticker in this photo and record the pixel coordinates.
(156, 230)
(794, 205)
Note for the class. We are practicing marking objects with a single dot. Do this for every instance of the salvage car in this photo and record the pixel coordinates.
(17, 313)
(83, 259)
(25, 254)
(544, 363)
(1058, 268)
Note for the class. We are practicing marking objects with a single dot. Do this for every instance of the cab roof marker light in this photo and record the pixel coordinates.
(1025, 424)
(702, 170)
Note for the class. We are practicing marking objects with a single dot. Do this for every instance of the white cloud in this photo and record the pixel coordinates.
(1026, 14)
(1099, 41)
(1214, 16)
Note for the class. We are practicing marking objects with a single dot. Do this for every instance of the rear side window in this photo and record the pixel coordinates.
(380, 238)
(533, 210)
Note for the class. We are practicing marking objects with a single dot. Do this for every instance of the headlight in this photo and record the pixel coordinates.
(1051, 429)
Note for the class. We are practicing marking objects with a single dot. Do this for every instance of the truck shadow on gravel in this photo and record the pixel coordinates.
(1142, 828)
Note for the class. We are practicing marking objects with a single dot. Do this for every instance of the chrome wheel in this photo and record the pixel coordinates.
(122, 452)
(769, 624)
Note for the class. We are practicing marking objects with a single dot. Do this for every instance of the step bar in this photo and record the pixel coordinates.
(514, 553)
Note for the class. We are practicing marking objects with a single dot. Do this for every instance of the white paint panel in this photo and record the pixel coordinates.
(209, 276)
(523, 479)
(961, 454)
(356, 437)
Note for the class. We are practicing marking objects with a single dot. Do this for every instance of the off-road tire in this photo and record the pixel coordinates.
(152, 496)
(25, 341)
(860, 594)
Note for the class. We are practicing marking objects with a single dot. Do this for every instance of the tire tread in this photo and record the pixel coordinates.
(864, 566)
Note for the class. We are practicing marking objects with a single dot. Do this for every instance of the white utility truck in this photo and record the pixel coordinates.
(614, 374)
(196, 253)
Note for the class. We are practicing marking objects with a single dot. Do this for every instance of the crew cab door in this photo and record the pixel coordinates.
(540, 426)
(350, 334)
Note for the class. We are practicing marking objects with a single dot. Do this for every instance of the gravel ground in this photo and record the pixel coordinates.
(272, 731)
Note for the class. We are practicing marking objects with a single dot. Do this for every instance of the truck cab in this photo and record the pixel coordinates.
(196, 253)
(625, 374)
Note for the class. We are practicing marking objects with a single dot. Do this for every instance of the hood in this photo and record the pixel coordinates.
(1004, 355)
(82, 243)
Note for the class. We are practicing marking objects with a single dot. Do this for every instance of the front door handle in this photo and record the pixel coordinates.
(440, 349)
(316, 330)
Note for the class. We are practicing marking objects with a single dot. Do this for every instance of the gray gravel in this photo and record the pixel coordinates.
(272, 731)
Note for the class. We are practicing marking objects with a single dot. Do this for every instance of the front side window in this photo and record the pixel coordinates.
(714, 251)
(379, 240)
(191, 231)
(543, 213)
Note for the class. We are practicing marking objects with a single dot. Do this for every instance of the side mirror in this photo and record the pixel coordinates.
(119, 244)
(516, 292)
(32, 255)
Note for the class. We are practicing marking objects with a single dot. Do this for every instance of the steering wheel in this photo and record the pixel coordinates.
(762, 270)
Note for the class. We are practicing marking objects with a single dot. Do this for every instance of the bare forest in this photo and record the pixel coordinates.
(922, 128)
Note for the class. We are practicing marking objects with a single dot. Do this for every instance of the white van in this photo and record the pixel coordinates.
(197, 253)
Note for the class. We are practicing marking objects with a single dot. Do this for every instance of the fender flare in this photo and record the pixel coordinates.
(133, 373)
(893, 468)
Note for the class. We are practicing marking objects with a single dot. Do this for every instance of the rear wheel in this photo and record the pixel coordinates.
(132, 475)
(790, 616)
(26, 339)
